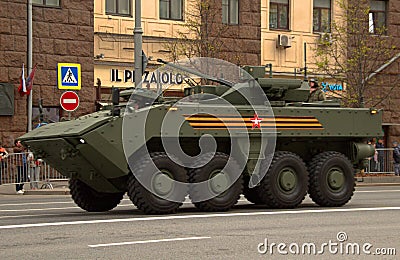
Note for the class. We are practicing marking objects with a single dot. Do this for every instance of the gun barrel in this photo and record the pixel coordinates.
(197, 73)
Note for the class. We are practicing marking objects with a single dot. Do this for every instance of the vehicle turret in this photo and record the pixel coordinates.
(283, 90)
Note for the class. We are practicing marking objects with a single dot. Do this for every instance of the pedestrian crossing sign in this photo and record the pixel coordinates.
(69, 76)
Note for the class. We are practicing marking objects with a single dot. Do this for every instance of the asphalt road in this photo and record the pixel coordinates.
(52, 227)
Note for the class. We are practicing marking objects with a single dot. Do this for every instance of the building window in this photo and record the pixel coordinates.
(171, 9)
(279, 14)
(377, 16)
(46, 2)
(322, 16)
(118, 7)
(230, 11)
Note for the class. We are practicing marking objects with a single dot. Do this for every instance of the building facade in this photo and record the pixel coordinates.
(113, 37)
(163, 22)
(291, 31)
(99, 35)
(62, 33)
(388, 82)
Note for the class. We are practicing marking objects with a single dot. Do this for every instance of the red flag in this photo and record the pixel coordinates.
(22, 85)
(29, 80)
(25, 86)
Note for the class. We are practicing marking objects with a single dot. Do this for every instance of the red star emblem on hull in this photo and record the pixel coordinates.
(256, 121)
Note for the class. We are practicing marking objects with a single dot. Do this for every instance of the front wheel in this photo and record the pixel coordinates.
(90, 200)
(331, 179)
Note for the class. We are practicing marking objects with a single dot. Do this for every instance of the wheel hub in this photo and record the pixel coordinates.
(219, 182)
(336, 179)
(162, 184)
(287, 179)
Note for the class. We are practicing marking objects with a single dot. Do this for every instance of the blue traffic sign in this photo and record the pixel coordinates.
(69, 76)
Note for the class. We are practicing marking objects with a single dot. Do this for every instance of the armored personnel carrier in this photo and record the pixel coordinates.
(273, 153)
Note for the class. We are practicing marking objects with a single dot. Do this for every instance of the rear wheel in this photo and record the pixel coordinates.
(331, 179)
(285, 183)
(90, 200)
(162, 196)
(216, 183)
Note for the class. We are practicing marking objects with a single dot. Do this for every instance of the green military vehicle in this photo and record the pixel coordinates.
(159, 149)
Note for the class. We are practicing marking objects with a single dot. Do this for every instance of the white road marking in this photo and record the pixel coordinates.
(120, 205)
(149, 241)
(45, 209)
(376, 191)
(37, 215)
(185, 202)
(36, 203)
(217, 215)
(45, 203)
(42, 209)
(65, 208)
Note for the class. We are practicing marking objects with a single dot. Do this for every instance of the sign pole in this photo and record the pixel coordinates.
(30, 63)
(138, 31)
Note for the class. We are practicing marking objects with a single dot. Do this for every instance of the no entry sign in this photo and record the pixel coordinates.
(69, 101)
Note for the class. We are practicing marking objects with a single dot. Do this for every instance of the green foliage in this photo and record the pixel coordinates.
(201, 36)
(354, 53)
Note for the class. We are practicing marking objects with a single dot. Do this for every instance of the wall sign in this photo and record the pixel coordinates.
(148, 77)
(331, 87)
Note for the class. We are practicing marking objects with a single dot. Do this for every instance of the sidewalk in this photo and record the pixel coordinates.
(378, 180)
(61, 188)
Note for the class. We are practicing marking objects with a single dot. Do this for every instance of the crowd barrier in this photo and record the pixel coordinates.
(23, 168)
(40, 175)
(382, 162)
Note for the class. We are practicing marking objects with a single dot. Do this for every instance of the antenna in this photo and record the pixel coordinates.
(305, 61)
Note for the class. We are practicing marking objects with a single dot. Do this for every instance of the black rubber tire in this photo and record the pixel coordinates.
(319, 188)
(90, 200)
(146, 200)
(271, 192)
(251, 194)
(223, 201)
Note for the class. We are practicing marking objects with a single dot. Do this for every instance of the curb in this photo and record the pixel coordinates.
(378, 180)
(10, 190)
(48, 192)
(359, 184)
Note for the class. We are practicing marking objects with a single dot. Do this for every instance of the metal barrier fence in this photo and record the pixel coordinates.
(20, 168)
(381, 162)
(23, 168)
